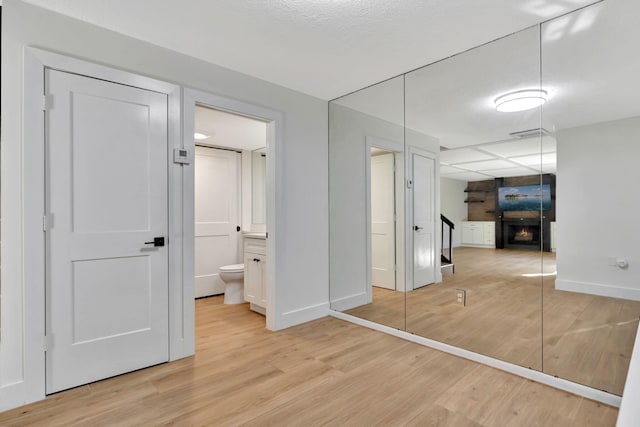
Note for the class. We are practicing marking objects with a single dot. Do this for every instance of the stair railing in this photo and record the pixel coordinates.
(446, 252)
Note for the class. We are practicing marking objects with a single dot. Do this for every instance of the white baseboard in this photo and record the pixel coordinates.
(207, 286)
(598, 289)
(302, 315)
(349, 302)
(15, 395)
(571, 387)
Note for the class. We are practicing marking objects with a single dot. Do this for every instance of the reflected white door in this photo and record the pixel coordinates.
(217, 188)
(383, 239)
(424, 260)
(107, 290)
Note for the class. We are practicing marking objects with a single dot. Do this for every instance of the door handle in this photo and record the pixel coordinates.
(157, 241)
(416, 228)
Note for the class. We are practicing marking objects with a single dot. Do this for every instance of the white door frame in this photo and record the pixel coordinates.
(394, 147)
(410, 151)
(274, 121)
(181, 338)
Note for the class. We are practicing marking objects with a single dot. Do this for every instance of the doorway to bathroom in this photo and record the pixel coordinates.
(230, 209)
(256, 202)
(229, 180)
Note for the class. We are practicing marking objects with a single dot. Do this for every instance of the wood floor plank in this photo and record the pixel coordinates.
(323, 373)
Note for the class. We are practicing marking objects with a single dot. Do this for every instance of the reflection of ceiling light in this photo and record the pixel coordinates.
(200, 136)
(520, 100)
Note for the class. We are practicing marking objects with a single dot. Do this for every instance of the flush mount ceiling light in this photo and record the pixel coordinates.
(520, 100)
(200, 136)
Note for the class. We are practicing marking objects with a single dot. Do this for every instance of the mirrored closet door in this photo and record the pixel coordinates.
(367, 203)
(487, 200)
(590, 68)
(491, 300)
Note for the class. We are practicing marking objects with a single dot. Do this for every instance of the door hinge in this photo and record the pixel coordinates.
(47, 222)
(47, 342)
(47, 102)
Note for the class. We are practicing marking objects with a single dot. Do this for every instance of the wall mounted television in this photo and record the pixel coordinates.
(525, 198)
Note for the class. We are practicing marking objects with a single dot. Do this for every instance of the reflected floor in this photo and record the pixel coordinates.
(388, 308)
(587, 339)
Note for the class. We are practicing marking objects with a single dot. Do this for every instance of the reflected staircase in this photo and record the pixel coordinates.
(446, 251)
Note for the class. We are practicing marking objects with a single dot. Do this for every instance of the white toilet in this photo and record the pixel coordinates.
(233, 278)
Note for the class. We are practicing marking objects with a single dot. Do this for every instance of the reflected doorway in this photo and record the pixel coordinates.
(385, 233)
(383, 213)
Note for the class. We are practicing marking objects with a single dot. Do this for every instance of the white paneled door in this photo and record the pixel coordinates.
(424, 220)
(383, 238)
(217, 188)
(107, 270)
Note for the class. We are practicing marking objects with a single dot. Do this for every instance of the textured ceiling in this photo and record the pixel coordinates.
(325, 48)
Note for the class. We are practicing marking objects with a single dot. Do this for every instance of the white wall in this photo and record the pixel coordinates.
(452, 205)
(302, 222)
(597, 208)
(629, 413)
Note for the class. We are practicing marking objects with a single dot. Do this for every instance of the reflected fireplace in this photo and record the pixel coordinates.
(518, 235)
(521, 234)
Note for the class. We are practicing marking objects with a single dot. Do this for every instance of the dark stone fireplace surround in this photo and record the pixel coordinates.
(541, 219)
(483, 205)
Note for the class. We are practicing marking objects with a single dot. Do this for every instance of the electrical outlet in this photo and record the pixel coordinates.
(461, 297)
(622, 263)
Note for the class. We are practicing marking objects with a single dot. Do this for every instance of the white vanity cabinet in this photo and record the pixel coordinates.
(255, 273)
(479, 234)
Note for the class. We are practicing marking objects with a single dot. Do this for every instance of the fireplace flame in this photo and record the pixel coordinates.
(524, 235)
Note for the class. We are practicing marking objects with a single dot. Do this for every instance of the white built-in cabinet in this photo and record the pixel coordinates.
(255, 273)
(479, 234)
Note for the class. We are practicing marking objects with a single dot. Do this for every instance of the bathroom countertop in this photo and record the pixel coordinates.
(255, 234)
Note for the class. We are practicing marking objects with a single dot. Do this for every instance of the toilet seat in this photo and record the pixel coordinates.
(234, 268)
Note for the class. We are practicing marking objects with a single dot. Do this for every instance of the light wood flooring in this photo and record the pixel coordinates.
(324, 373)
(583, 338)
